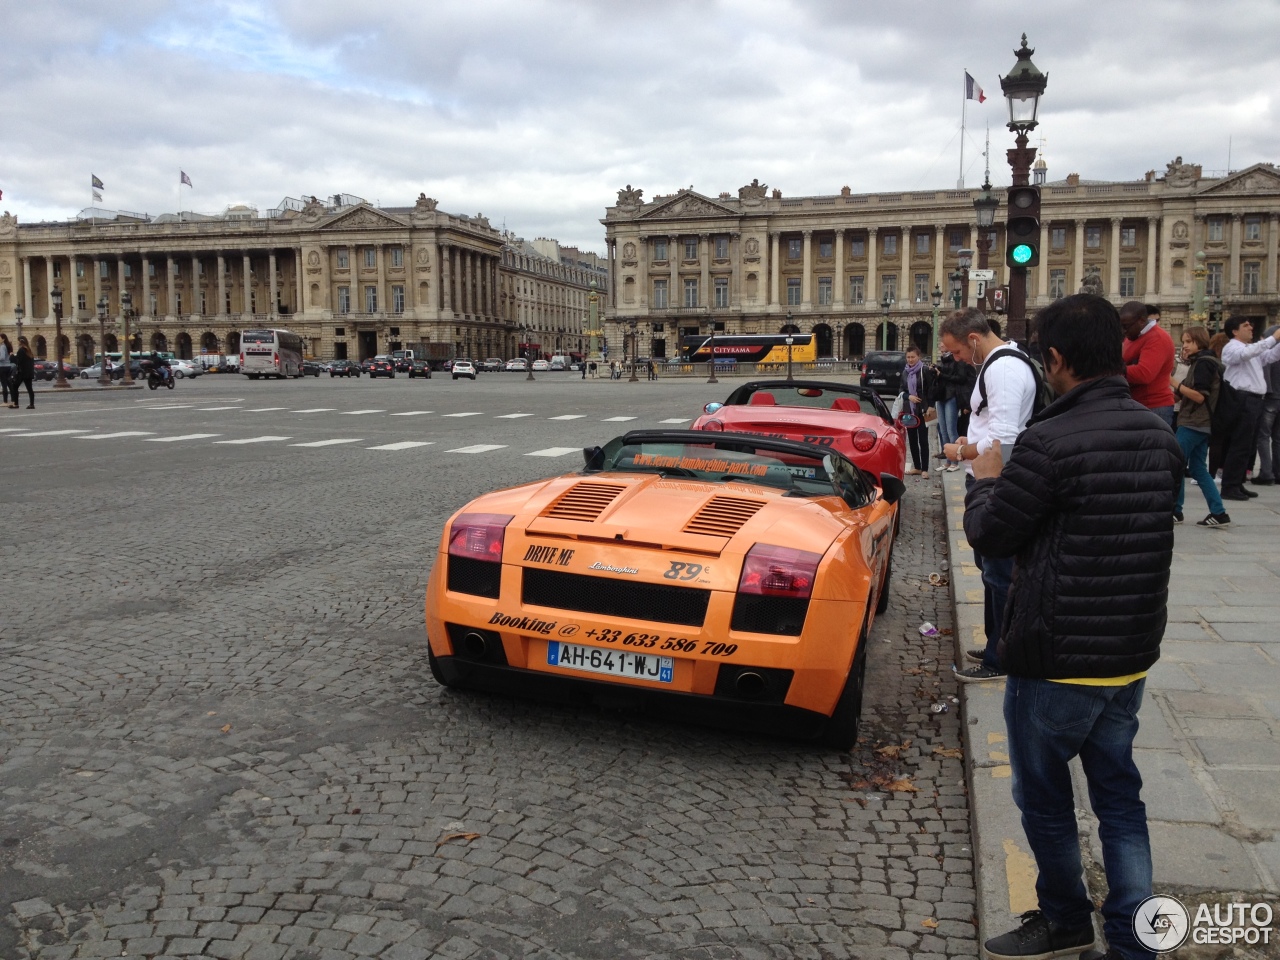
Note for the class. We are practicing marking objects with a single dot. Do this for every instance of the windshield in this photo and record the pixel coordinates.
(729, 460)
(821, 397)
(258, 336)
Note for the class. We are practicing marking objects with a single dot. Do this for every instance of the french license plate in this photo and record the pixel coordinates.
(877, 381)
(615, 663)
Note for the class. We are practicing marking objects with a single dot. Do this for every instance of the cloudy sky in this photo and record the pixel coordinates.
(535, 112)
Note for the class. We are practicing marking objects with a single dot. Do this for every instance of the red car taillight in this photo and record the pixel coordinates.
(713, 425)
(864, 440)
(478, 536)
(779, 572)
(242, 359)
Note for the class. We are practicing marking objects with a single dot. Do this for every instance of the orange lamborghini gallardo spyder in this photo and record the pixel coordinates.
(726, 577)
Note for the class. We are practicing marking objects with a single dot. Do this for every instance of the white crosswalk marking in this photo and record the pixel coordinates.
(50, 433)
(113, 436)
(478, 413)
(616, 419)
(513, 416)
(554, 452)
(255, 440)
(265, 409)
(169, 406)
(403, 445)
(356, 413)
(411, 413)
(13, 429)
(478, 448)
(569, 416)
(676, 420)
(326, 443)
(185, 436)
(211, 409)
(317, 410)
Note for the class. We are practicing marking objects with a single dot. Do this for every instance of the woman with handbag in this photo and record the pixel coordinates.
(25, 364)
(918, 382)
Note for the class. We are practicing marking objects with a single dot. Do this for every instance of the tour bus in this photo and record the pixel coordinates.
(750, 348)
(270, 353)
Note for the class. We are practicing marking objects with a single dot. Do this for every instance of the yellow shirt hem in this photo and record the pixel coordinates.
(1105, 681)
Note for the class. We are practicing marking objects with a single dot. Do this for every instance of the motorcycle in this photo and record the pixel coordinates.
(156, 379)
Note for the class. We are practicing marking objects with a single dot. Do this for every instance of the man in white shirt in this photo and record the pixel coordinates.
(1010, 388)
(1244, 361)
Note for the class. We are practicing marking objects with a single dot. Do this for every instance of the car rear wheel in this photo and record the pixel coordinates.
(841, 732)
(882, 604)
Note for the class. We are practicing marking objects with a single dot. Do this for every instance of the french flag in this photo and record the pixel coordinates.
(971, 89)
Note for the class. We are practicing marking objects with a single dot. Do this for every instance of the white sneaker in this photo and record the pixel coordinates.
(952, 468)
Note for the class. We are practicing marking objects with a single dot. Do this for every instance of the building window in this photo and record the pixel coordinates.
(1213, 280)
(955, 241)
(228, 303)
(177, 305)
(795, 248)
(857, 289)
(370, 257)
(793, 292)
(104, 271)
(80, 302)
(824, 248)
(177, 271)
(691, 293)
(203, 303)
(889, 287)
(858, 247)
(57, 270)
(397, 256)
(922, 287)
(155, 307)
(343, 261)
(1128, 236)
(1128, 281)
(1252, 276)
(128, 271)
(1253, 228)
(1058, 283)
(691, 249)
(79, 268)
(1215, 228)
(922, 243)
(1058, 238)
(370, 299)
(1093, 237)
(722, 291)
(890, 245)
(199, 268)
(344, 300)
(722, 248)
(397, 299)
(660, 294)
(824, 291)
(660, 249)
(339, 331)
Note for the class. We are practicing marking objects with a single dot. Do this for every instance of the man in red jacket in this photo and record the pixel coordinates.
(1148, 358)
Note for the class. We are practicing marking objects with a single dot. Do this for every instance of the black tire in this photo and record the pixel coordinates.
(882, 604)
(169, 383)
(152, 384)
(434, 664)
(841, 731)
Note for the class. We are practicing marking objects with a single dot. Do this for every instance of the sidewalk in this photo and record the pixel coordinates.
(1208, 747)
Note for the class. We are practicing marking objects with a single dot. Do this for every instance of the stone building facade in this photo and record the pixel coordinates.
(545, 288)
(763, 263)
(352, 279)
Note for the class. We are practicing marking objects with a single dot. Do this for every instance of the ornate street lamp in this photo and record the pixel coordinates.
(964, 260)
(528, 361)
(104, 373)
(1217, 313)
(635, 349)
(18, 313)
(126, 313)
(956, 293)
(937, 305)
(712, 362)
(790, 340)
(1022, 89)
(985, 205)
(56, 296)
(1197, 304)
(886, 304)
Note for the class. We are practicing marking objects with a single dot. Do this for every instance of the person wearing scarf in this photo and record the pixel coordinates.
(918, 384)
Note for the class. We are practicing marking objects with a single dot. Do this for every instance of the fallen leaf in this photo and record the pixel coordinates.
(225, 728)
(860, 785)
(456, 836)
(902, 785)
(892, 751)
(955, 753)
(929, 922)
(914, 672)
(212, 713)
(355, 810)
(945, 631)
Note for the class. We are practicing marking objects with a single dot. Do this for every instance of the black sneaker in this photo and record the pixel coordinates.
(978, 674)
(1215, 520)
(1177, 516)
(1249, 493)
(975, 654)
(1039, 939)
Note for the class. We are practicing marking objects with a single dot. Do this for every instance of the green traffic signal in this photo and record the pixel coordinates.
(1022, 253)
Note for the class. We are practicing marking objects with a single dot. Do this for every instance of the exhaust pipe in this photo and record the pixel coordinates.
(475, 645)
(749, 685)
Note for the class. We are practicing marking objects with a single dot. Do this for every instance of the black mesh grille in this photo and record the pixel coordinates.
(780, 615)
(616, 598)
(480, 578)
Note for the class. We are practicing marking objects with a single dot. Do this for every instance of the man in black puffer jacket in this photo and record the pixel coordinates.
(1085, 505)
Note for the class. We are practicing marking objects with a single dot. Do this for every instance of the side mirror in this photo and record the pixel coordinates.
(909, 420)
(712, 407)
(892, 488)
(593, 458)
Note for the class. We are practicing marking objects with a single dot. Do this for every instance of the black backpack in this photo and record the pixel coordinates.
(1226, 409)
(1044, 394)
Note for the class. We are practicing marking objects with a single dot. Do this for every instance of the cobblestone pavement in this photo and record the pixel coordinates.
(219, 737)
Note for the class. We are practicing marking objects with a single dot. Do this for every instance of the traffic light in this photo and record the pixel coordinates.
(1022, 234)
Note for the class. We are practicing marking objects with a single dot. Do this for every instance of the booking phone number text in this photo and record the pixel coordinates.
(650, 641)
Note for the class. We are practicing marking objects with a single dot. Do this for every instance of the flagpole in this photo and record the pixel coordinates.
(964, 102)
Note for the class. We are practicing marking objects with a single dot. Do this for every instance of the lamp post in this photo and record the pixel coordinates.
(635, 349)
(985, 205)
(1217, 313)
(18, 314)
(1198, 314)
(56, 296)
(528, 362)
(712, 362)
(104, 373)
(886, 303)
(126, 312)
(1022, 88)
(964, 260)
(790, 340)
(956, 294)
(937, 305)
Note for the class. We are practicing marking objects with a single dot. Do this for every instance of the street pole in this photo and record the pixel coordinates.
(528, 361)
(1022, 89)
(790, 340)
(712, 362)
(56, 296)
(104, 374)
(885, 304)
(1198, 314)
(18, 313)
(937, 307)
(126, 309)
(635, 347)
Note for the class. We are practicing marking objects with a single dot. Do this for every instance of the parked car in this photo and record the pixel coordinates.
(463, 368)
(344, 368)
(491, 365)
(541, 366)
(447, 366)
(420, 368)
(882, 371)
(518, 365)
(558, 365)
(312, 367)
(382, 367)
(95, 371)
(182, 369)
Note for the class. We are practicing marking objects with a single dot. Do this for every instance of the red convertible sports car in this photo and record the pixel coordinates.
(844, 417)
(722, 577)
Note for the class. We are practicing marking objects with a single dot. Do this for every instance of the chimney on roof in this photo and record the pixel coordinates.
(1073, 179)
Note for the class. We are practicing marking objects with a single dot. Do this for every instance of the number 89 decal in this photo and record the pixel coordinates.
(683, 571)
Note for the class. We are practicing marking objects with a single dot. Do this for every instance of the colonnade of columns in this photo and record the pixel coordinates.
(468, 281)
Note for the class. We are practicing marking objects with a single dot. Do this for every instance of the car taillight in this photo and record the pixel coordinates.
(864, 440)
(275, 358)
(770, 571)
(714, 425)
(242, 359)
(478, 536)
(864, 368)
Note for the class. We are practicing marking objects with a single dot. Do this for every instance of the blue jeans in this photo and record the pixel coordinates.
(1195, 448)
(1048, 724)
(948, 421)
(997, 575)
(1165, 414)
(1269, 439)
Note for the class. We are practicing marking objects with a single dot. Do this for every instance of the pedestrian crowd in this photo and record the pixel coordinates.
(17, 369)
